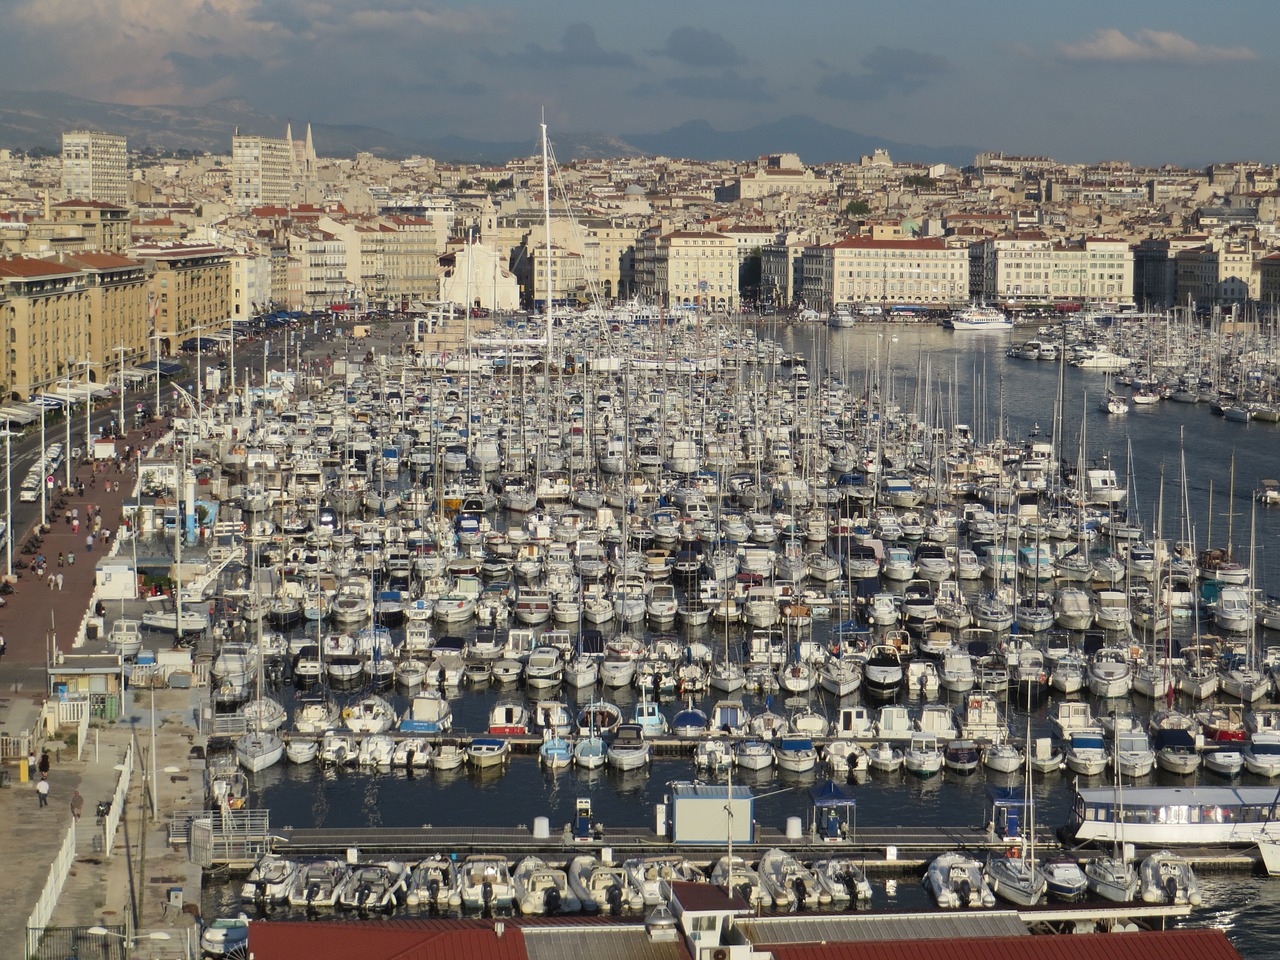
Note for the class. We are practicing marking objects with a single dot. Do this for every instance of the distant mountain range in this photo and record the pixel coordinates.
(30, 119)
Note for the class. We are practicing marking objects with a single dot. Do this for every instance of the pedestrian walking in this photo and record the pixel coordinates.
(42, 790)
(75, 513)
(51, 582)
(77, 805)
(88, 544)
(31, 764)
(59, 581)
(75, 525)
(2, 645)
(62, 558)
(44, 763)
(71, 559)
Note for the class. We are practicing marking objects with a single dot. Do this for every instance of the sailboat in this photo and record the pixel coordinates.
(1112, 876)
(1016, 875)
(175, 620)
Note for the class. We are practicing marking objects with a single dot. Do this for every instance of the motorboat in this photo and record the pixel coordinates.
(786, 881)
(738, 876)
(1166, 877)
(841, 880)
(433, 883)
(484, 883)
(374, 886)
(649, 876)
(795, 754)
(629, 749)
(269, 880)
(540, 889)
(923, 755)
(315, 886)
(602, 887)
(1065, 880)
(955, 880)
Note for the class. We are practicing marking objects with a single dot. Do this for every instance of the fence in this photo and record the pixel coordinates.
(58, 943)
(71, 711)
(221, 836)
(58, 871)
(15, 746)
(111, 823)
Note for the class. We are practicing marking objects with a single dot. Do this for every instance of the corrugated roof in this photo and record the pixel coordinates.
(1156, 945)
(599, 943)
(835, 928)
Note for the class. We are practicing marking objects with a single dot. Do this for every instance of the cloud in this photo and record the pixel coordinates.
(1150, 46)
(578, 48)
(885, 71)
(699, 47)
(729, 85)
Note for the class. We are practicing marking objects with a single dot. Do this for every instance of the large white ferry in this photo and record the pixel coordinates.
(1170, 816)
(978, 317)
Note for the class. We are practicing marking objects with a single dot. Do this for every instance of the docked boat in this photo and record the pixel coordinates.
(956, 880)
(785, 880)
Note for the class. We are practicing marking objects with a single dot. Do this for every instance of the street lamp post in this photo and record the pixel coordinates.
(121, 429)
(88, 403)
(44, 481)
(8, 500)
(67, 410)
(156, 337)
(129, 942)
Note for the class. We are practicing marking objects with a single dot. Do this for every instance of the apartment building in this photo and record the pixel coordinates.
(95, 166)
(870, 269)
(189, 289)
(117, 326)
(1155, 269)
(43, 311)
(690, 268)
(262, 172)
(321, 278)
(1220, 272)
(1033, 266)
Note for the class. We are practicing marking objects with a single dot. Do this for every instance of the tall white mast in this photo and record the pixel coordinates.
(546, 216)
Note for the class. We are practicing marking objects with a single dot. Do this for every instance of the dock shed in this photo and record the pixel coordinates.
(711, 813)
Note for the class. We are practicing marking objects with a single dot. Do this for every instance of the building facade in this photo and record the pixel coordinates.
(189, 289)
(1220, 272)
(261, 172)
(1033, 267)
(882, 271)
(95, 166)
(43, 319)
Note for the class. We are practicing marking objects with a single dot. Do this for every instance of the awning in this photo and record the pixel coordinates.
(23, 414)
(828, 793)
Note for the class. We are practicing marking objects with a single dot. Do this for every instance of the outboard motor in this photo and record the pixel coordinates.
(802, 891)
(486, 893)
(433, 890)
(551, 901)
(966, 892)
(849, 883)
(313, 891)
(363, 892)
(1171, 889)
(613, 896)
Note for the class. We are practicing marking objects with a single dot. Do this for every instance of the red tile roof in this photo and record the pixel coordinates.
(394, 940)
(29, 268)
(1156, 945)
(95, 204)
(102, 261)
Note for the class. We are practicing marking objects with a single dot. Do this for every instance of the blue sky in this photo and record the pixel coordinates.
(1178, 82)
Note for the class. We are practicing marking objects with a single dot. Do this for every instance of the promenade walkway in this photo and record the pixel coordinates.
(36, 620)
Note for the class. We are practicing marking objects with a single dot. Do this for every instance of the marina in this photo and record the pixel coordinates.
(418, 609)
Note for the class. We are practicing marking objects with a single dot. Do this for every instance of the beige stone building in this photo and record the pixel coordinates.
(1220, 272)
(43, 311)
(95, 166)
(116, 322)
(882, 271)
(696, 268)
(79, 225)
(1032, 266)
(189, 289)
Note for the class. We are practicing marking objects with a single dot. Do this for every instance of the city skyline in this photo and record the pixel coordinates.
(1082, 83)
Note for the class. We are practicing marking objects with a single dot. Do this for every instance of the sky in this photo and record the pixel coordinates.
(1180, 82)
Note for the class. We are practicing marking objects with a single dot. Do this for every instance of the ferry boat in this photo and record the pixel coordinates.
(1175, 816)
(978, 317)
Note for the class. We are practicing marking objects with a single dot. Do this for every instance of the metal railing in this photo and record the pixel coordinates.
(15, 746)
(58, 943)
(58, 872)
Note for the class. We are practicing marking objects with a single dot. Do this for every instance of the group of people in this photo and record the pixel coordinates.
(40, 766)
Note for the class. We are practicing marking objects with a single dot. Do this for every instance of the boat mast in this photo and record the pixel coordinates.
(546, 225)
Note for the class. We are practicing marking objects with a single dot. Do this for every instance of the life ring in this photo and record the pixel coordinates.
(346, 713)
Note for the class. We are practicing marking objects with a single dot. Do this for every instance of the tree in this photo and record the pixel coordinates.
(920, 181)
(857, 208)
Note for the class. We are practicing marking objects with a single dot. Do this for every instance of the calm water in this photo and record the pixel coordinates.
(967, 374)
